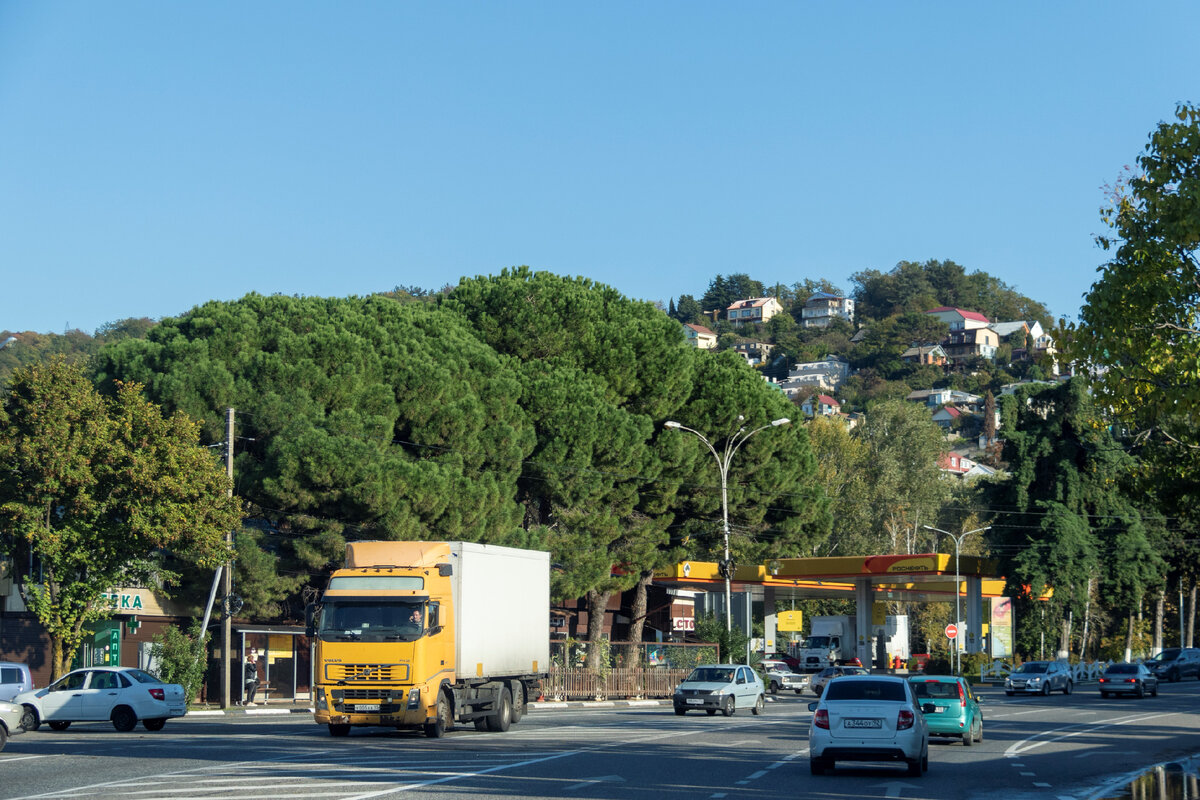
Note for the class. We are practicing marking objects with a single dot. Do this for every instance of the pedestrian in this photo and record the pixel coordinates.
(250, 670)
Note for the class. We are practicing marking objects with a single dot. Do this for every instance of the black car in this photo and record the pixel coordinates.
(1127, 678)
(1176, 663)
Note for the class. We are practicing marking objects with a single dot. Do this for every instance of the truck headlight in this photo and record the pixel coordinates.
(322, 703)
(414, 698)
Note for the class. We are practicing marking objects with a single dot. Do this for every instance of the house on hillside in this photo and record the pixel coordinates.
(959, 319)
(754, 352)
(925, 354)
(965, 344)
(754, 309)
(699, 336)
(946, 416)
(820, 309)
(829, 373)
(821, 404)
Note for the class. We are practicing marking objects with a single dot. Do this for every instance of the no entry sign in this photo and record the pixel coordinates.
(951, 631)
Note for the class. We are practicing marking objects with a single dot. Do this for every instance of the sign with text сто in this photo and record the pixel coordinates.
(683, 623)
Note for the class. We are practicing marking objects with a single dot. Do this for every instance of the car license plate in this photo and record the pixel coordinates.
(367, 707)
(695, 701)
(939, 710)
(862, 723)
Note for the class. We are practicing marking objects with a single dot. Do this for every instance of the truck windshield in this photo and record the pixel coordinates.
(371, 620)
(817, 641)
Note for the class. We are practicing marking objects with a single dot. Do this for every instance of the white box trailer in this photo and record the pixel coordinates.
(501, 609)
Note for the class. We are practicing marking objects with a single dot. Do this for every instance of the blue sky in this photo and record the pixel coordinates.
(154, 156)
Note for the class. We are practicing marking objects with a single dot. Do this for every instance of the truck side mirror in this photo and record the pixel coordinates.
(310, 619)
(445, 570)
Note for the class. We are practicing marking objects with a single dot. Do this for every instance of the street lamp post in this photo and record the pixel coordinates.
(957, 544)
(732, 444)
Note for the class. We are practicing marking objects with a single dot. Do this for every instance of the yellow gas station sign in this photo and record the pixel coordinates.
(789, 621)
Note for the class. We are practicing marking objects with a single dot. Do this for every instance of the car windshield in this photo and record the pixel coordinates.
(1032, 666)
(1122, 669)
(710, 675)
(937, 689)
(892, 691)
(1168, 655)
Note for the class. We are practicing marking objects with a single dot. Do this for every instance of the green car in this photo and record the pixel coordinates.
(951, 708)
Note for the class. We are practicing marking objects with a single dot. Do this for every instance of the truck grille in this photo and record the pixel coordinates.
(384, 673)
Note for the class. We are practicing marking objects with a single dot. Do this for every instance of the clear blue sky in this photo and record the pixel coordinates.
(156, 155)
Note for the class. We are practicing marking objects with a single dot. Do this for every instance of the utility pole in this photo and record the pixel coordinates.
(227, 578)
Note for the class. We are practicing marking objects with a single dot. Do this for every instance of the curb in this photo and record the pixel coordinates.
(540, 705)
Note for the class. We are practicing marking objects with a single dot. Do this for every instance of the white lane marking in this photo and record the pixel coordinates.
(1028, 774)
(732, 744)
(1041, 785)
(1037, 740)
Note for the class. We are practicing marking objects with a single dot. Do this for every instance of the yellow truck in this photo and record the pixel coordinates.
(429, 634)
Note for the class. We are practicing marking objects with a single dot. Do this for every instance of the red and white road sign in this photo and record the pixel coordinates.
(951, 631)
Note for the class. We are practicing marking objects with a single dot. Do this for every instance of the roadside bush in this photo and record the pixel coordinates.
(176, 657)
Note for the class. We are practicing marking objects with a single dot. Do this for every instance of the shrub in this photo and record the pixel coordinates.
(177, 657)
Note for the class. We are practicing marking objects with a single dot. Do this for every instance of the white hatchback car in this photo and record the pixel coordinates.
(120, 694)
(868, 718)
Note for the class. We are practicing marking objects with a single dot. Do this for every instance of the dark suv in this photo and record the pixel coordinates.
(1176, 663)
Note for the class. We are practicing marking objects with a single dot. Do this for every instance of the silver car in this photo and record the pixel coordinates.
(720, 687)
(1039, 677)
(777, 676)
(869, 718)
(10, 721)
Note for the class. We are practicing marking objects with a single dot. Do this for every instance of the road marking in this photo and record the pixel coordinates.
(1028, 774)
(1042, 785)
(731, 744)
(894, 788)
(1036, 741)
(590, 781)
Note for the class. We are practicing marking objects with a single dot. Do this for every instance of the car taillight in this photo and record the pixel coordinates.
(1131, 680)
(821, 720)
(158, 694)
(962, 697)
(1104, 680)
(905, 720)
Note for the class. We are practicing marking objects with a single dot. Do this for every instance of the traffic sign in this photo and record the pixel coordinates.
(951, 631)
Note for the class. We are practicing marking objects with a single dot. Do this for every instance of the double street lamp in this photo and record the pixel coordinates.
(723, 458)
(958, 538)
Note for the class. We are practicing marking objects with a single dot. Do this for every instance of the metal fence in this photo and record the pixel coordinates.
(625, 670)
(1084, 672)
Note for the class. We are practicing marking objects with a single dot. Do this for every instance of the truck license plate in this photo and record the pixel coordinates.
(862, 723)
(695, 701)
(367, 707)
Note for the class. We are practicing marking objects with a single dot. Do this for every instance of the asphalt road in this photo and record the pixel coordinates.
(1034, 747)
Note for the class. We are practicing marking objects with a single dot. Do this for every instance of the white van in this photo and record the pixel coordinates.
(14, 679)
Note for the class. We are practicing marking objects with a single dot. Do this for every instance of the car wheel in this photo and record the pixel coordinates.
(712, 712)
(914, 768)
(499, 720)
(799, 691)
(774, 688)
(339, 730)
(437, 729)
(1046, 689)
(979, 730)
(925, 761)
(3, 737)
(29, 720)
(759, 705)
(679, 712)
(1104, 695)
(1154, 691)
(1010, 694)
(968, 736)
(123, 718)
(728, 707)
(1175, 677)
(1067, 689)
(816, 766)
(59, 725)
(817, 691)
(153, 724)
(1141, 691)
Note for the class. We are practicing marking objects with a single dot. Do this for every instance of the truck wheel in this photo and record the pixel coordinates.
(501, 718)
(437, 729)
(518, 702)
(339, 730)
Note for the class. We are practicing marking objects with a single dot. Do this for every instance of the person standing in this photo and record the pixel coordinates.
(250, 669)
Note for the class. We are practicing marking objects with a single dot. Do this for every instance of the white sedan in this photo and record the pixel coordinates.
(121, 695)
(868, 718)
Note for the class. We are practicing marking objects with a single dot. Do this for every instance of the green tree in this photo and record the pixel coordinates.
(368, 418)
(97, 488)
